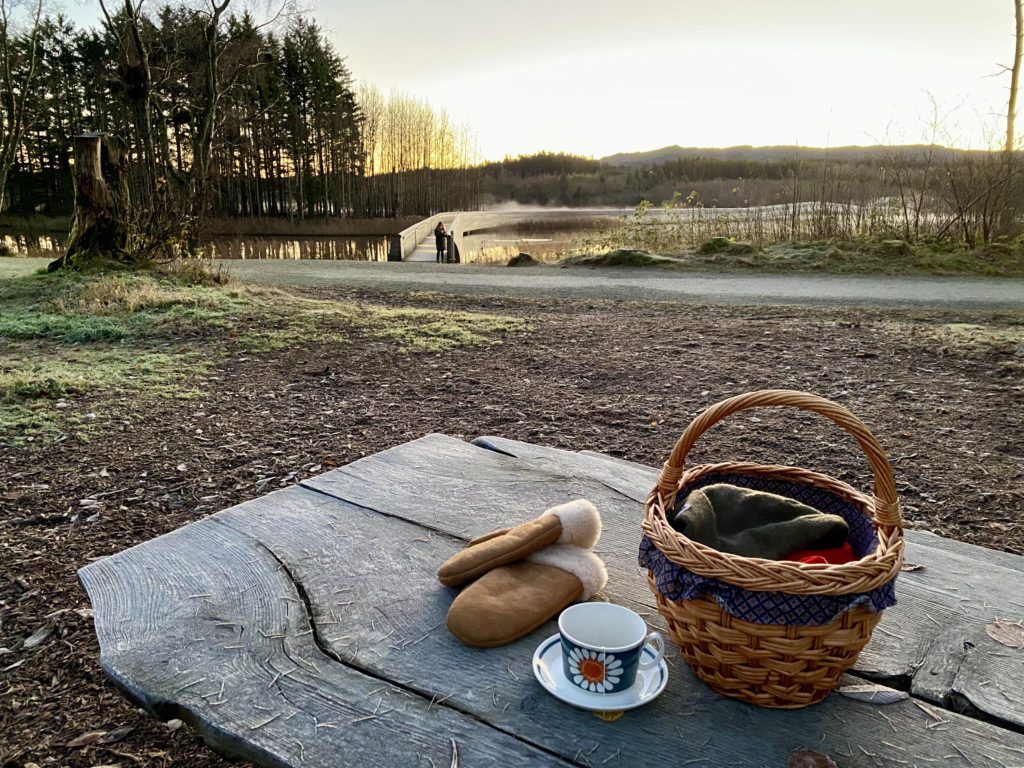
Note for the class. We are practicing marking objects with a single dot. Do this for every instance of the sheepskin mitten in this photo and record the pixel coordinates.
(510, 601)
(755, 523)
(575, 523)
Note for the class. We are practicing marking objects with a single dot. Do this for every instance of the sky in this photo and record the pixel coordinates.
(596, 77)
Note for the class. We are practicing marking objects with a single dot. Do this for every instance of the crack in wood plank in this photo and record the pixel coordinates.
(325, 648)
(360, 546)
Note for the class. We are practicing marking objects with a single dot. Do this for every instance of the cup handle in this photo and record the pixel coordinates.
(655, 639)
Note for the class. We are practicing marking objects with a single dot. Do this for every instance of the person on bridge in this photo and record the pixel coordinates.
(441, 240)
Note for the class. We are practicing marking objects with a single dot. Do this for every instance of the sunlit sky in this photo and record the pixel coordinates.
(597, 77)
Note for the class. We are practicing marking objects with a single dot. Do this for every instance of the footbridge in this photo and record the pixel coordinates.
(416, 243)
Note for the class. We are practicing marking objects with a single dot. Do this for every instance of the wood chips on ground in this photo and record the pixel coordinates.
(623, 378)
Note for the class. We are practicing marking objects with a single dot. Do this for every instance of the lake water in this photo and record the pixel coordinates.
(483, 248)
(47, 246)
(363, 248)
(544, 240)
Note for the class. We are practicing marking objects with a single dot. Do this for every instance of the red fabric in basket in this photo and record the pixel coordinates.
(834, 556)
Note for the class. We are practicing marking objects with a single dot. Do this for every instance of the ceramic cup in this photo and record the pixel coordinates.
(602, 646)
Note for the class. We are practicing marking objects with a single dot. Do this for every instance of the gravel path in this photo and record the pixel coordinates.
(634, 284)
(629, 284)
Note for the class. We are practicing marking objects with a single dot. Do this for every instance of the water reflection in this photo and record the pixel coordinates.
(483, 248)
(488, 249)
(49, 245)
(328, 248)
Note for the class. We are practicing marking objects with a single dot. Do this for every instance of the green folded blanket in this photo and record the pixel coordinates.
(756, 523)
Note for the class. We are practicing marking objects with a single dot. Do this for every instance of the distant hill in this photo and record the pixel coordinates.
(766, 154)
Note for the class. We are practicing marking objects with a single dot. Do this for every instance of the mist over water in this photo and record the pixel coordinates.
(511, 206)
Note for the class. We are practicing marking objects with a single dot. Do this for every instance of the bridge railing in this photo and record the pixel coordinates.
(405, 242)
(460, 224)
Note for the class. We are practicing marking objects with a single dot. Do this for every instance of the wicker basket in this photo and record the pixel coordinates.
(774, 665)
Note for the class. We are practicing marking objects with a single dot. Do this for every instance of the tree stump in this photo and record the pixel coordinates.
(99, 230)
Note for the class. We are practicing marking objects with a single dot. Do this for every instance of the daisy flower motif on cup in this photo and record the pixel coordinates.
(593, 670)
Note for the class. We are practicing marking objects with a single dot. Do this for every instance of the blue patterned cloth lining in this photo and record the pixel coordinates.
(677, 583)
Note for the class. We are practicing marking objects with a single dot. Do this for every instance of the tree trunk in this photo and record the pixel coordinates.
(1011, 112)
(98, 230)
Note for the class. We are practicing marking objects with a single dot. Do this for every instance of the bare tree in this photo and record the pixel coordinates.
(1011, 111)
(19, 59)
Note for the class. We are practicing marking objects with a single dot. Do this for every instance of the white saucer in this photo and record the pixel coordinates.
(547, 666)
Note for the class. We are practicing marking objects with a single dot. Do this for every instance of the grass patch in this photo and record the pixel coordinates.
(69, 334)
(428, 330)
(884, 257)
(35, 380)
(75, 370)
(522, 260)
(999, 339)
(724, 245)
(623, 257)
(982, 338)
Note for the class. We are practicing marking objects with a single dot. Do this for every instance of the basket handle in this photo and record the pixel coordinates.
(886, 512)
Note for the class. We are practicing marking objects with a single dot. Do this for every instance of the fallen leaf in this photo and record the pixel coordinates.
(1007, 633)
(173, 725)
(873, 694)
(38, 637)
(911, 567)
(114, 736)
(805, 758)
(15, 665)
(87, 738)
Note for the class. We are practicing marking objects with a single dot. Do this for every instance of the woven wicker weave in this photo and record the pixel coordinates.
(766, 664)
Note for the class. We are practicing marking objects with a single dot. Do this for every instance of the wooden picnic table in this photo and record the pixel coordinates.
(306, 628)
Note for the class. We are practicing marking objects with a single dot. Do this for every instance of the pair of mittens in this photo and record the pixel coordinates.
(525, 575)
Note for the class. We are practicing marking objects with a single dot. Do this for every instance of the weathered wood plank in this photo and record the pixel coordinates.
(990, 556)
(381, 667)
(388, 621)
(206, 624)
(937, 633)
(463, 490)
(959, 588)
(631, 480)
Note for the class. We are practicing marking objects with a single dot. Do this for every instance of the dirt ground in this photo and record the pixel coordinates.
(624, 378)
